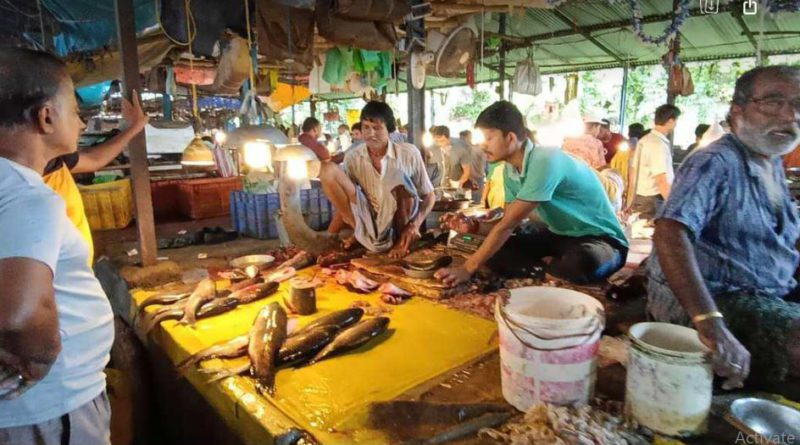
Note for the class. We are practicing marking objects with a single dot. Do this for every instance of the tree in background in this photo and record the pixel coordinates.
(470, 108)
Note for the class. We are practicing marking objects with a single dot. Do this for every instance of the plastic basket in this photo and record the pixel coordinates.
(207, 198)
(255, 215)
(108, 206)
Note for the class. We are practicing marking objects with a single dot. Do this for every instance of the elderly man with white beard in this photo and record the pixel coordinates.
(725, 255)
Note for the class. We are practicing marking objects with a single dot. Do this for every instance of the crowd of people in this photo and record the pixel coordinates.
(725, 257)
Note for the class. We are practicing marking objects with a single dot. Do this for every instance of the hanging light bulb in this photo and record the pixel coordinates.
(256, 155)
(297, 169)
(220, 137)
(197, 154)
(427, 139)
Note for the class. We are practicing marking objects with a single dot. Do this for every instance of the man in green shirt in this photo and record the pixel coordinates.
(577, 236)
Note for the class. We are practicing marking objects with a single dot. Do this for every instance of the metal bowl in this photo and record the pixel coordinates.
(252, 260)
(768, 420)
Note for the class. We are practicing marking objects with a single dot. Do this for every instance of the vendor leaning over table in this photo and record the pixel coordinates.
(577, 230)
(725, 254)
(383, 191)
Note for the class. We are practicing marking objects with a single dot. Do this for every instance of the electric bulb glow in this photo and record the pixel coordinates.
(297, 169)
(256, 155)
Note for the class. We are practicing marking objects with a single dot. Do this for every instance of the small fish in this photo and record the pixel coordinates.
(218, 374)
(266, 338)
(235, 347)
(245, 283)
(205, 291)
(176, 312)
(342, 319)
(256, 292)
(162, 299)
(353, 337)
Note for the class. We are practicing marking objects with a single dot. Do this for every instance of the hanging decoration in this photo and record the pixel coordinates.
(677, 22)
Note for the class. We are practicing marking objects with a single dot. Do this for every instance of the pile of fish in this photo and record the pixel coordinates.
(205, 301)
(268, 345)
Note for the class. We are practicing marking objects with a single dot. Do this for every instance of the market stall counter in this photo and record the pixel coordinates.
(330, 399)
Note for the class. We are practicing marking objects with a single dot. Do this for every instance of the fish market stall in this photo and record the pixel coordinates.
(422, 343)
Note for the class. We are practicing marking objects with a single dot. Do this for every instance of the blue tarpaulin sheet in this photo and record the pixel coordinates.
(90, 24)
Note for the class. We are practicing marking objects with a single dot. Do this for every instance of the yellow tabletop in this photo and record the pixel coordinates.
(331, 399)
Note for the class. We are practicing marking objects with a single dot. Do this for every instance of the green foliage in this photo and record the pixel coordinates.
(470, 109)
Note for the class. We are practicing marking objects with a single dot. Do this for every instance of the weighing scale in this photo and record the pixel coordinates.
(465, 242)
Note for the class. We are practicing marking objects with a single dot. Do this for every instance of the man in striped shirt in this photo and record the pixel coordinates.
(383, 191)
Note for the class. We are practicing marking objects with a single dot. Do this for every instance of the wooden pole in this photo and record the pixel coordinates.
(416, 111)
(140, 175)
(502, 68)
(623, 102)
(312, 104)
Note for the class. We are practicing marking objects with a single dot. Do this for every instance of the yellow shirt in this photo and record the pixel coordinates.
(62, 182)
(496, 195)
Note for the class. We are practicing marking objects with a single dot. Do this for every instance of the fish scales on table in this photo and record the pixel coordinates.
(205, 291)
(353, 337)
(265, 340)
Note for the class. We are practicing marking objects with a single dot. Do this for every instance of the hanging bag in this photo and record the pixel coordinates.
(527, 79)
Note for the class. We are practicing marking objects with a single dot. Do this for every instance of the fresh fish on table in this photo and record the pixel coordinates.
(206, 290)
(281, 275)
(266, 338)
(176, 312)
(300, 261)
(235, 347)
(162, 299)
(355, 279)
(246, 283)
(296, 350)
(255, 292)
(353, 337)
(341, 319)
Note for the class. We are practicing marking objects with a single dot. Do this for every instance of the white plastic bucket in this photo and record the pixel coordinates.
(549, 339)
(668, 387)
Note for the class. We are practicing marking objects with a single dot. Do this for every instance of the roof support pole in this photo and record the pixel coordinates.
(312, 104)
(140, 174)
(416, 111)
(502, 31)
(675, 49)
(623, 101)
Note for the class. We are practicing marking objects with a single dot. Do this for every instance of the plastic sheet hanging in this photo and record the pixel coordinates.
(373, 10)
(234, 66)
(285, 33)
(364, 34)
(527, 79)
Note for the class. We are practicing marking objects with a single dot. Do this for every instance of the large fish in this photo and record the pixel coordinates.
(235, 347)
(295, 350)
(341, 319)
(266, 338)
(205, 291)
(353, 337)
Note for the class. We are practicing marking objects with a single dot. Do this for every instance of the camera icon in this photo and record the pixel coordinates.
(709, 6)
(750, 7)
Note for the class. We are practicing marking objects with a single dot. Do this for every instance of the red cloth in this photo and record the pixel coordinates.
(613, 145)
(320, 150)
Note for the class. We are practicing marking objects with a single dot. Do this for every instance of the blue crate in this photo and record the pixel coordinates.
(254, 215)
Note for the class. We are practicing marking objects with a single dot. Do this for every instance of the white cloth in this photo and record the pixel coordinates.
(402, 165)
(34, 224)
(653, 157)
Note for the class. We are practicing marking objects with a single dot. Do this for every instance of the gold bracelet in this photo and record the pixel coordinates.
(708, 315)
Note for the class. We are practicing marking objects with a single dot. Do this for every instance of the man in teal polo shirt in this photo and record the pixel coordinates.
(577, 236)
